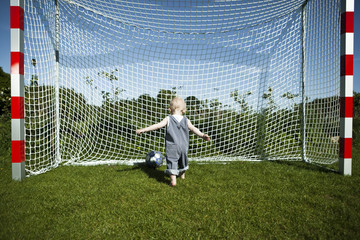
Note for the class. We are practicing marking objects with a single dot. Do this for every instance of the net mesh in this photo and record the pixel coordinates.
(260, 77)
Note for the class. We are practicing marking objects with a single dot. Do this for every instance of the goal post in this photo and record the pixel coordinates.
(17, 89)
(346, 86)
(265, 81)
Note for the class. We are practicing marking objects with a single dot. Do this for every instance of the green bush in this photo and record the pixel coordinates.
(356, 121)
(356, 132)
(5, 141)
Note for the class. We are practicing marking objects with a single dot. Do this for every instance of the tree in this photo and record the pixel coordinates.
(356, 104)
(146, 109)
(4, 79)
(115, 91)
(356, 120)
(34, 77)
(163, 99)
(193, 106)
(240, 99)
(5, 94)
(271, 102)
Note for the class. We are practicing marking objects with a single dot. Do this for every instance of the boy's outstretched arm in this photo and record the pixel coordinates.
(156, 126)
(197, 131)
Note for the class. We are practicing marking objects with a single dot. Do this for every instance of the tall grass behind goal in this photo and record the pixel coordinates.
(261, 78)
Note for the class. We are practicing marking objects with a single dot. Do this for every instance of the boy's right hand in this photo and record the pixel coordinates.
(139, 131)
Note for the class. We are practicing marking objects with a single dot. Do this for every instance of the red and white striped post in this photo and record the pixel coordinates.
(17, 89)
(346, 86)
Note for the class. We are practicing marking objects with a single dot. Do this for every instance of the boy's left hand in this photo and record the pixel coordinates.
(206, 137)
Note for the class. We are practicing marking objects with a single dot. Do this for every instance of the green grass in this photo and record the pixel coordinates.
(285, 200)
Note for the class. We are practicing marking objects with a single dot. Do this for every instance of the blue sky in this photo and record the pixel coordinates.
(5, 40)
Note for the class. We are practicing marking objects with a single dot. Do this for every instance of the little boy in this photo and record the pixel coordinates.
(176, 139)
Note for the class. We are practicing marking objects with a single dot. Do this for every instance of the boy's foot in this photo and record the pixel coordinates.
(172, 184)
(182, 176)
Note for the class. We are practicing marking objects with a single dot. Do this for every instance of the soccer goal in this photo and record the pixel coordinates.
(267, 80)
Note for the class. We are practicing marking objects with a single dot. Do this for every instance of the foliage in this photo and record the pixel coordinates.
(5, 123)
(356, 105)
(163, 99)
(112, 125)
(116, 119)
(4, 79)
(5, 93)
(5, 141)
(356, 120)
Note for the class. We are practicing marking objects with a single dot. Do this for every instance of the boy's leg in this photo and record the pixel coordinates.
(172, 170)
(173, 180)
(183, 165)
(171, 167)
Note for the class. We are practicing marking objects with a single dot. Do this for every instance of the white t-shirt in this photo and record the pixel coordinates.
(177, 117)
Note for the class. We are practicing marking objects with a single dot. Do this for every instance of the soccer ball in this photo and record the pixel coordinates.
(154, 159)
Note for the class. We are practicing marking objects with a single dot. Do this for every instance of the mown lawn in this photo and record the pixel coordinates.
(254, 200)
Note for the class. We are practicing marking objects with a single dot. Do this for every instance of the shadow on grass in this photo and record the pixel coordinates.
(308, 166)
(154, 173)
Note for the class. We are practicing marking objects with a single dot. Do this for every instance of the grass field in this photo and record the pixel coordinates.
(250, 200)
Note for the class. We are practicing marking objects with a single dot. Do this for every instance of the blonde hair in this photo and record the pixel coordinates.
(178, 103)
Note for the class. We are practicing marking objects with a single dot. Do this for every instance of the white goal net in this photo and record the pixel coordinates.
(260, 77)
